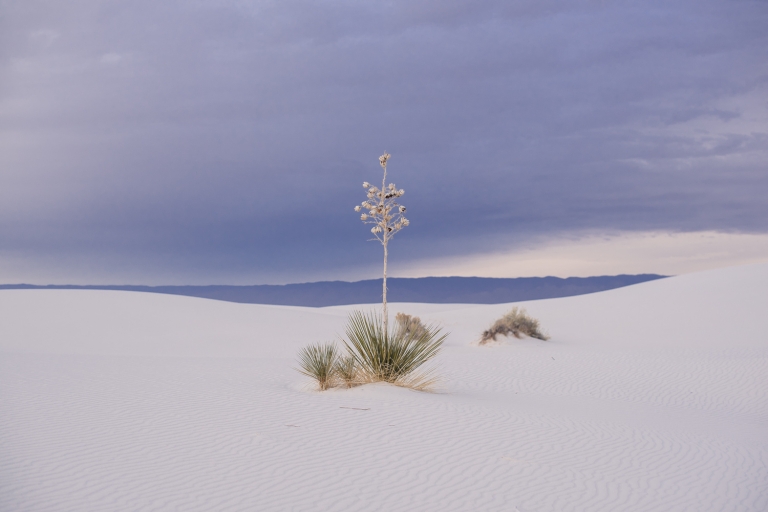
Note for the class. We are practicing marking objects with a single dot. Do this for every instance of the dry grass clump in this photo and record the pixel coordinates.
(516, 322)
(376, 354)
(348, 371)
(408, 324)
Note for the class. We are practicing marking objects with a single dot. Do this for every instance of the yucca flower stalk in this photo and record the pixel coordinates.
(387, 217)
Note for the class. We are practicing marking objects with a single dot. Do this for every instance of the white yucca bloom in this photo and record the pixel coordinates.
(386, 215)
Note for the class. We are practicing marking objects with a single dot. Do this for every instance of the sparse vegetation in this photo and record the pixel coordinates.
(320, 362)
(517, 322)
(392, 356)
(376, 355)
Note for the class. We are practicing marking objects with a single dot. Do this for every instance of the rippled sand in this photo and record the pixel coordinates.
(647, 398)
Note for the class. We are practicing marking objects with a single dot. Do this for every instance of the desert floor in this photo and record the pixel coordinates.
(652, 397)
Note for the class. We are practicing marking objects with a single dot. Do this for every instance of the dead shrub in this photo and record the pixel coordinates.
(410, 325)
(516, 322)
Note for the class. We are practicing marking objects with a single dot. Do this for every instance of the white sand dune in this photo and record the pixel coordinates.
(647, 398)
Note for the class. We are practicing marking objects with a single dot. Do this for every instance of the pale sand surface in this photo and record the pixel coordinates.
(647, 398)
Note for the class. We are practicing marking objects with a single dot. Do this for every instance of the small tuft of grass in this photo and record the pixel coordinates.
(392, 356)
(516, 322)
(348, 371)
(320, 362)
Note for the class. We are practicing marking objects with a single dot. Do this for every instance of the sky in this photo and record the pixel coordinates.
(226, 141)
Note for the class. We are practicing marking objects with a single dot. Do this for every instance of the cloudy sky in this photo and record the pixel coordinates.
(225, 141)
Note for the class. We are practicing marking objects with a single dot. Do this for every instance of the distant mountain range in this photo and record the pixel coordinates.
(443, 290)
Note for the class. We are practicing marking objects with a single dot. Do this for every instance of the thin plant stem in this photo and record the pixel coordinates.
(385, 242)
(387, 217)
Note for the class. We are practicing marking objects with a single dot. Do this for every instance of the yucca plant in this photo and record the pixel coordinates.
(391, 356)
(319, 362)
